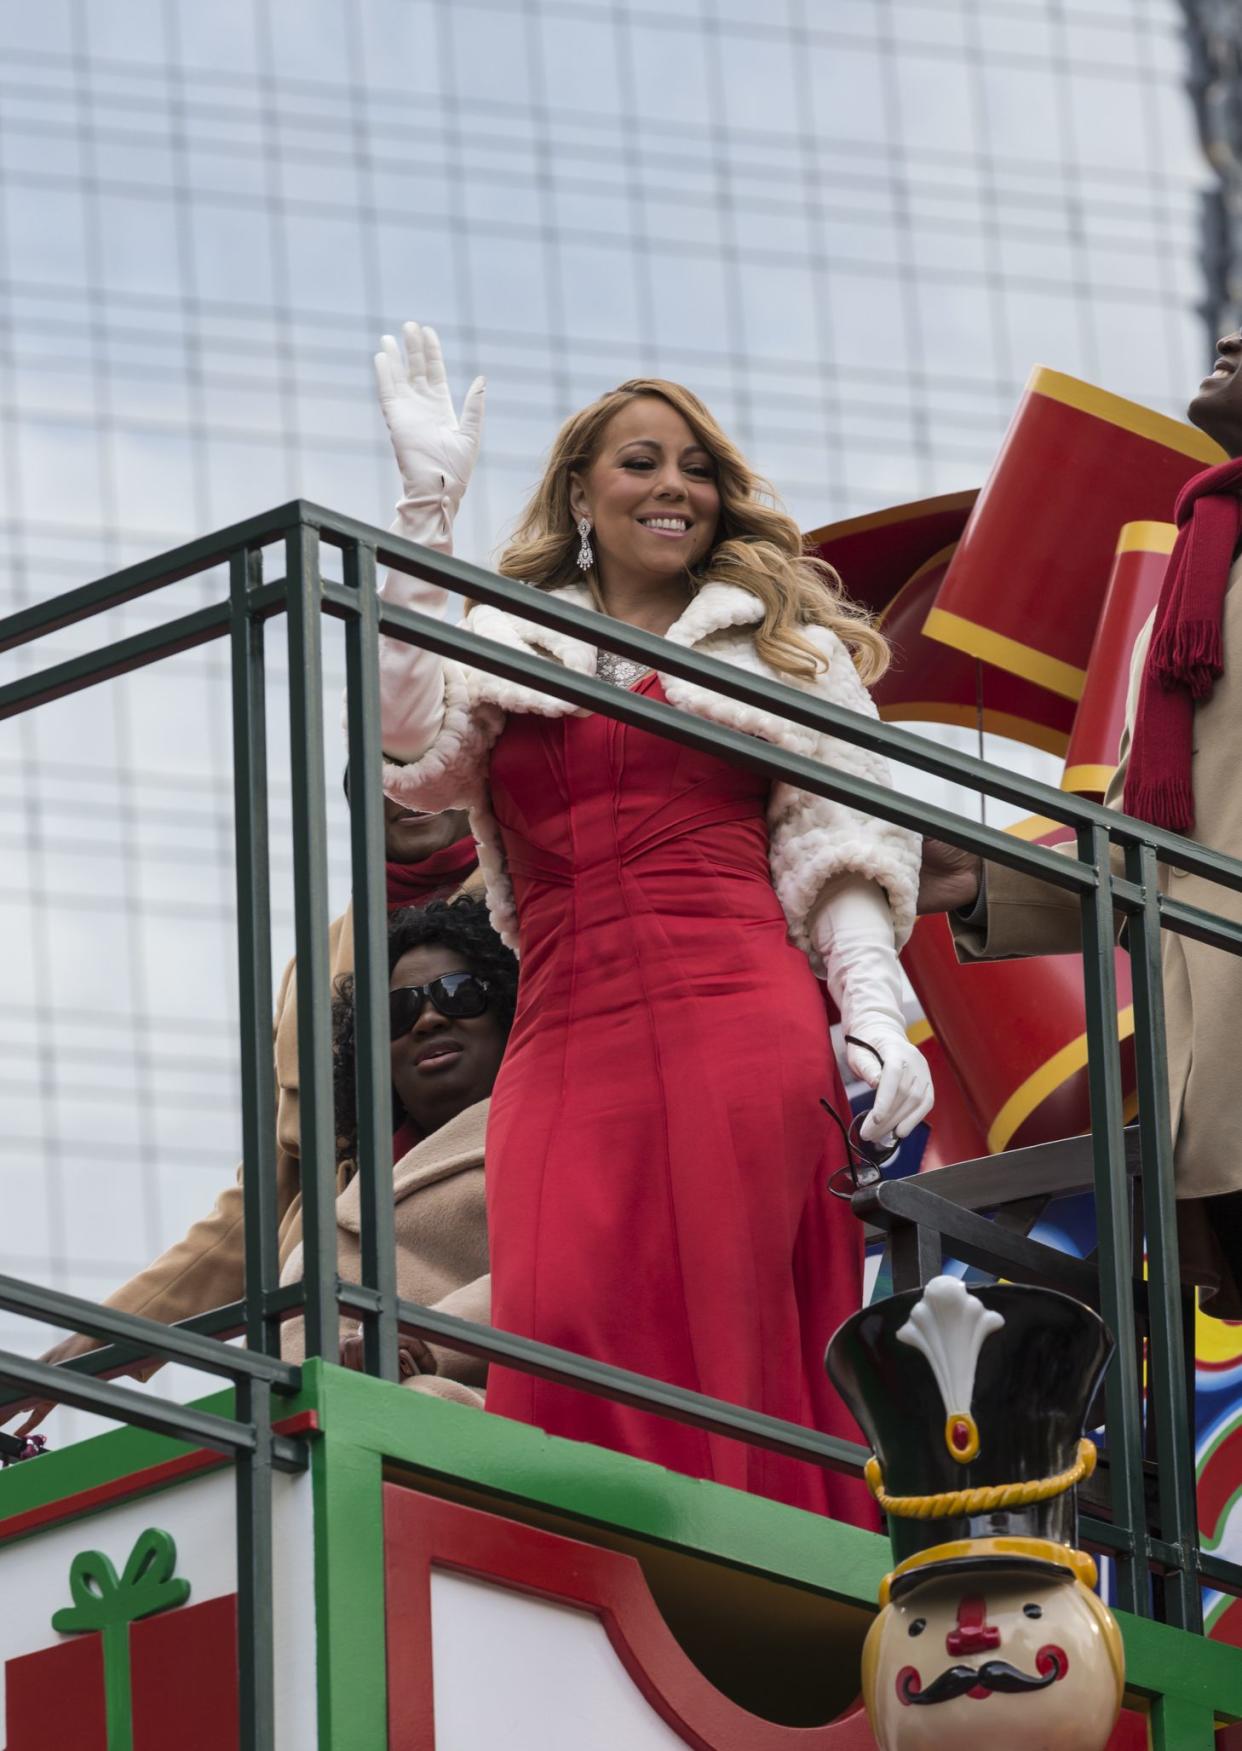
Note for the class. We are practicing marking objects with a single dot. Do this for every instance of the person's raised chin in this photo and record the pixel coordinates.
(1216, 408)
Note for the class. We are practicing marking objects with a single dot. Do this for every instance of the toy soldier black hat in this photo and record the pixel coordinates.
(975, 1401)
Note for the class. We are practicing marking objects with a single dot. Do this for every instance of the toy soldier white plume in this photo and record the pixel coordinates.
(949, 1326)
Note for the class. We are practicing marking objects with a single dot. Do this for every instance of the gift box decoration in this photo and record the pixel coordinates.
(142, 1670)
(1026, 585)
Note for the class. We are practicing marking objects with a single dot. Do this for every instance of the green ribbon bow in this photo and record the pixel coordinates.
(104, 1603)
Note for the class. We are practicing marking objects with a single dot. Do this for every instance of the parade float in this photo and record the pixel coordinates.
(316, 1556)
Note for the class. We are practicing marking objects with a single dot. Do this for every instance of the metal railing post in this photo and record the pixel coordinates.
(1167, 1404)
(1112, 1214)
(256, 1644)
(254, 950)
(370, 917)
(310, 907)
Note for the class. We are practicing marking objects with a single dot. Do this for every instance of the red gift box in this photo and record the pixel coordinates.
(183, 1671)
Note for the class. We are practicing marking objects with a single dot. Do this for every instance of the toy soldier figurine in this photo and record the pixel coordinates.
(989, 1634)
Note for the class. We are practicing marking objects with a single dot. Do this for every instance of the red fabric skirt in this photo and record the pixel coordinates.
(657, 1158)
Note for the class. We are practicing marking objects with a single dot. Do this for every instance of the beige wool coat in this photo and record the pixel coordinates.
(1202, 985)
(440, 1214)
(206, 1267)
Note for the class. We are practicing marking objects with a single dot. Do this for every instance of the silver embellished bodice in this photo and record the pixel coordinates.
(621, 671)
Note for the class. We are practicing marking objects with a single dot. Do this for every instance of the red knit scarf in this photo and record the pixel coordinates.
(1186, 653)
(432, 878)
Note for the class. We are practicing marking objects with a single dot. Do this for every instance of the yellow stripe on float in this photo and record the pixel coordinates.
(996, 723)
(1131, 416)
(908, 513)
(1045, 1081)
(1032, 827)
(920, 1030)
(1147, 538)
(940, 557)
(1006, 653)
(1078, 778)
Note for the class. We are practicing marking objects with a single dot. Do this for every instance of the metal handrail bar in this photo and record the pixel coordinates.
(117, 588)
(529, 603)
(46, 1380)
(566, 1368)
(169, 1343)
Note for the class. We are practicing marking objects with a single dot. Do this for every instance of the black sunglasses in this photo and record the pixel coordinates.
(864, 1160)
(457, 995)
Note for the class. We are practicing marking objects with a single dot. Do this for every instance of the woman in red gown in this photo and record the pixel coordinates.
(657, 1157)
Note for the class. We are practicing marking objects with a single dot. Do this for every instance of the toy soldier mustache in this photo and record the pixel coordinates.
(961, 1680)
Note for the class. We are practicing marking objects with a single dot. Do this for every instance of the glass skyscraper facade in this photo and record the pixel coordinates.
(852, 227)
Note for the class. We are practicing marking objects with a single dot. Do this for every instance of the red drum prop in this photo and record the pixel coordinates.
(1143, 551)
(1026, 585)
(1014, 1032)
(954, 1132)
(876, 554)
(928, 683)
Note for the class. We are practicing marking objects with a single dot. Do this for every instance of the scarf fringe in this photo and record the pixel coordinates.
(1165, 802)
(1190, 654)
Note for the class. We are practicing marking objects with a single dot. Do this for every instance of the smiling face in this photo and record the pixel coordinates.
(650, 494)
(1217, 408)
(1009, 1659)
(443, 1064)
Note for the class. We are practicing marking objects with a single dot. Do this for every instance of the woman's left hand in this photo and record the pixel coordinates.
(899, 1075)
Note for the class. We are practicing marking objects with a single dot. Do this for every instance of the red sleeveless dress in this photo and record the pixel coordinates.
(656, 1154)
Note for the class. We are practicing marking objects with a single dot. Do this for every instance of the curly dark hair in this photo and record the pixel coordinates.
(461, 925)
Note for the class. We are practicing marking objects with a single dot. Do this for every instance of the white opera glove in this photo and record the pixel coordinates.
(852, 930)
(436, 453)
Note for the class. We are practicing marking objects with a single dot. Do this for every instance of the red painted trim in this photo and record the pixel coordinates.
(136, 1483)
(421, 1533)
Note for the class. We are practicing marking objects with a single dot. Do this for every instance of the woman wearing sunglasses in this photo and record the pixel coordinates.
(657, 1154)
(452, 990)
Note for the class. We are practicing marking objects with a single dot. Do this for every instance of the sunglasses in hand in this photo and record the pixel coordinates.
(458, 996)
(864, 1159)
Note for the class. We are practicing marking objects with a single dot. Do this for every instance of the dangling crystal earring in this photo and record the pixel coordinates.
(586, 554)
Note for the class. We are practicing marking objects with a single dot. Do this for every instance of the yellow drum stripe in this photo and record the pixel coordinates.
(1006, 653)
(996, 723)
(1147, 538)
(1079, 778)
(1044, 1081)
(1131, 416)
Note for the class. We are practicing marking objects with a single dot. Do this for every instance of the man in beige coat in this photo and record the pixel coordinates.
(999, 913)
(205, 1269)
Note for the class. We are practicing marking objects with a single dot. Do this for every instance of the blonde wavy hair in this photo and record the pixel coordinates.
(758, 545)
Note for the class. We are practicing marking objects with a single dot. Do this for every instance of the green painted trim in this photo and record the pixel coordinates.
(102, 1459)
(1181, 1668)
(98, 1460)
(350, 1642)
(609, 1489)
(1179, 1725)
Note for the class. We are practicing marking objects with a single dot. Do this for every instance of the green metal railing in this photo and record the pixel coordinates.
(1170, 1548)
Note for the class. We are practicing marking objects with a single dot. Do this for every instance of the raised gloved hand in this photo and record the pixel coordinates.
(853, 932)
(435, 451)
